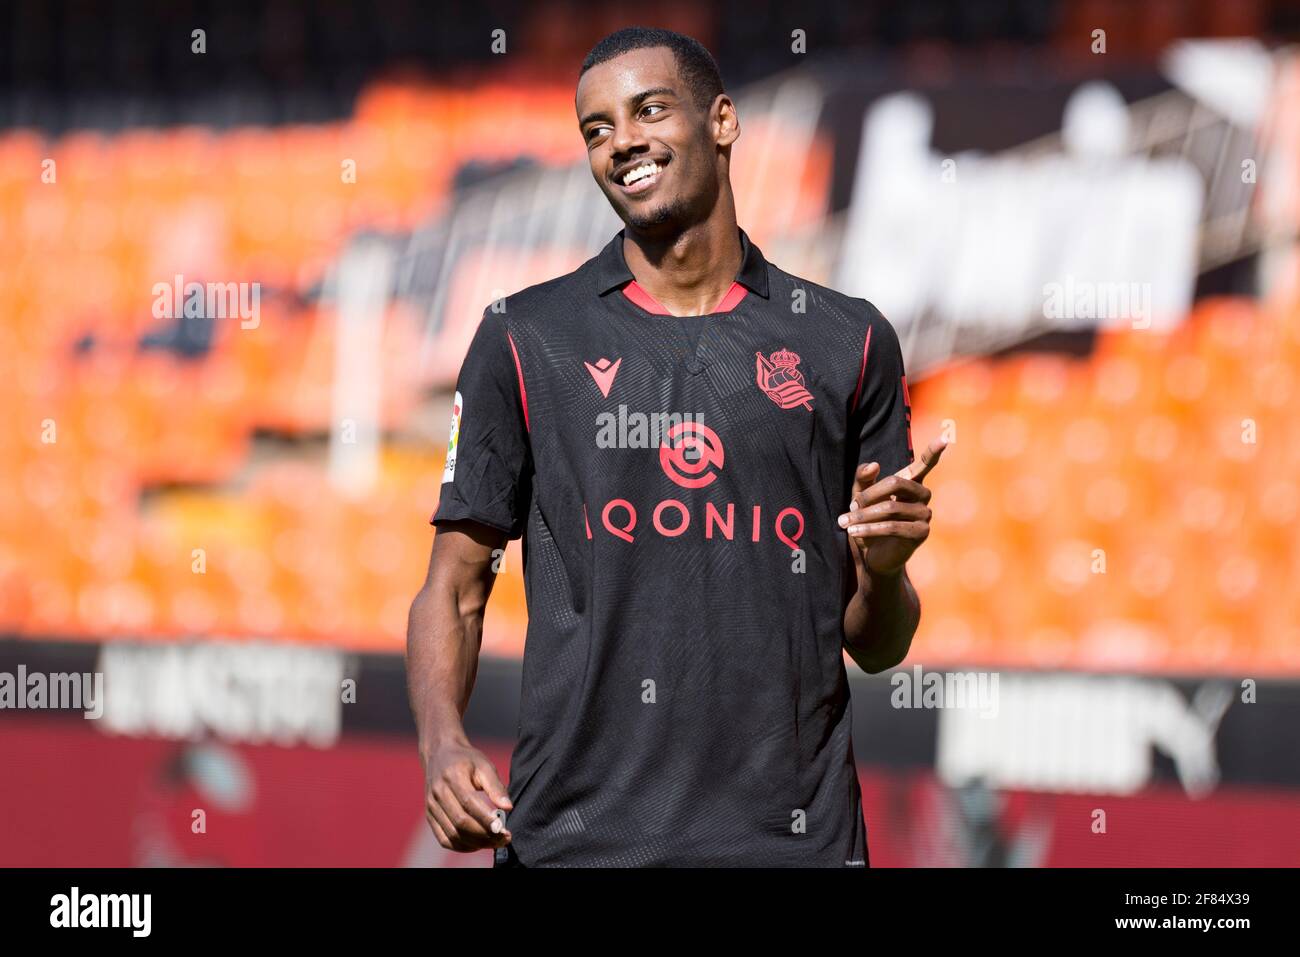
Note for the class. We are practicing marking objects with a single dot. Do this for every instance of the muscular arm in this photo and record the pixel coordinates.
(445, 628)
(444, 633)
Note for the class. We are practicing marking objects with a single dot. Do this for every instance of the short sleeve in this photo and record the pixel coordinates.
(881, 419)
(488, 475)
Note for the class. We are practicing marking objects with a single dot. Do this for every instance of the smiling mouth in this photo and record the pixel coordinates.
(641, 177)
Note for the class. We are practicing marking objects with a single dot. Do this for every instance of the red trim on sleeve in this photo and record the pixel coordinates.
(907, 401)
(862, 373)
(523, 393)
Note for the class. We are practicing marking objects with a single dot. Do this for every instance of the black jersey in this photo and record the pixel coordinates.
(677, 484)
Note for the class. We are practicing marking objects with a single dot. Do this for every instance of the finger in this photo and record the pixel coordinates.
(918, 470)
(459, 821)
(910, 531)
(896, 486)
(498, 825)
(465, 833)
(892, 510)
(480, 813)
(438, 830)
(437, 815)
(910, 512)
(866, 473)
(455, 840)
(485, 778)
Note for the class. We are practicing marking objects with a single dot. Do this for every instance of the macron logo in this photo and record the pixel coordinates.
(603, 372)
(102, 910)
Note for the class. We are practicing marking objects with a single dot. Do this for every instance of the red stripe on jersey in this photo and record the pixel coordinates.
(907, 401)
(523, 393)
(862, 373)
(637, 293)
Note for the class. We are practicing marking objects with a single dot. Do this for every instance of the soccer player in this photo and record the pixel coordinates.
(710, 463)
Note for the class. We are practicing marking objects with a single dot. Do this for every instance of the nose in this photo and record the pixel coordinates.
(626, 138)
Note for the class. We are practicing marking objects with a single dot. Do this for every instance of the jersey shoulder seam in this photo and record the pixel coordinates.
(852, 305)
(531, 303)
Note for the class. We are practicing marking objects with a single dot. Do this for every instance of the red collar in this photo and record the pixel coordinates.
(636, 292)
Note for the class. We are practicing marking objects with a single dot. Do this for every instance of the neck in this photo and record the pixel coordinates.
(690, 270)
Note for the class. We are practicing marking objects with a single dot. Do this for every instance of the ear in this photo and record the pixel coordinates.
(724, 120)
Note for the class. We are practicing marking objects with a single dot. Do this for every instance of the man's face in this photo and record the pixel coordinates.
(651, 148)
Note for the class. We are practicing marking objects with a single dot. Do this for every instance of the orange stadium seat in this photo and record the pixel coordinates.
(1123, 492)
(1135, 507)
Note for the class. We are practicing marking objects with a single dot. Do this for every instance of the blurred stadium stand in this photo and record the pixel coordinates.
(176, 483)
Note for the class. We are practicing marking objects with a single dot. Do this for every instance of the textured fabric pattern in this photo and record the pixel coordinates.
(684, 697)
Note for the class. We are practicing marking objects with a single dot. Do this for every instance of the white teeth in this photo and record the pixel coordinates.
(641, 172)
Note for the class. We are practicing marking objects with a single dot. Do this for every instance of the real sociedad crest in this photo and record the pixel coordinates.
(783, 383)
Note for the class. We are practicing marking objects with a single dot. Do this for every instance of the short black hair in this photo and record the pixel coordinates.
(694, 62)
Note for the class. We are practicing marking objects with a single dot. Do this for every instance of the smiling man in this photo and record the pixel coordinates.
(684, 699)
